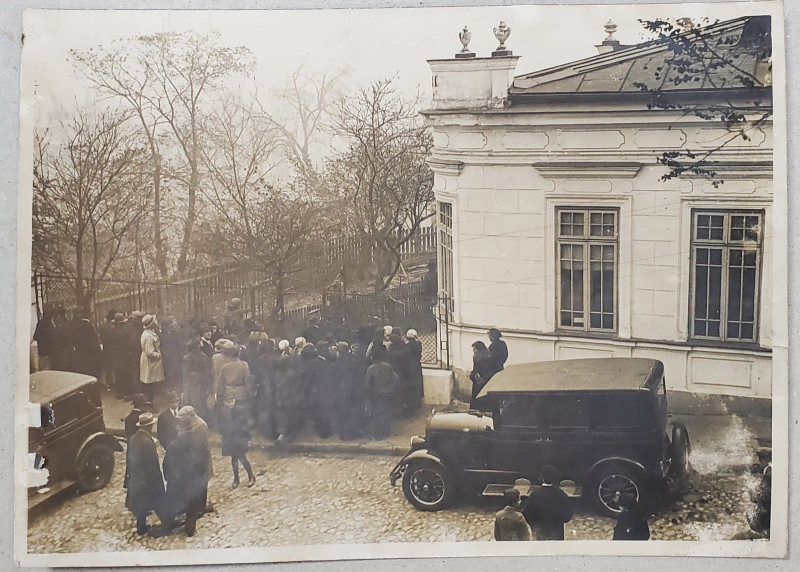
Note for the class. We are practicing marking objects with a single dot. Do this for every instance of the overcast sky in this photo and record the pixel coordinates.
(365, 44)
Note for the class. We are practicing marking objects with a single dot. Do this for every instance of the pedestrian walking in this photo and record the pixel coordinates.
(168, 421)
(151, 368)
(145, 483)
(631, 521)
(235, 430)
(509, 523)
(548, 508)
(381, 385)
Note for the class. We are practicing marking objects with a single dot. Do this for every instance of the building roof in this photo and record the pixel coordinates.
(595, 374)
(624, 70)
(47, 386)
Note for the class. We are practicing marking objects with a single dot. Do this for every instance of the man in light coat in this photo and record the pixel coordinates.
(151, 367)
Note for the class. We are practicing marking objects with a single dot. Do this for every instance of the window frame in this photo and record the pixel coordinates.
(445, 252)
(725, 245)
(587, 241)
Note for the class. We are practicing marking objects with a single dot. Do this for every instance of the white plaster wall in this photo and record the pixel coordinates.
(504, 212)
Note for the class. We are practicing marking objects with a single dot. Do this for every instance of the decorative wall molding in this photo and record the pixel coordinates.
(525, 140)
(588, 169)
(595, 139)
(445, 166)
(659, 138)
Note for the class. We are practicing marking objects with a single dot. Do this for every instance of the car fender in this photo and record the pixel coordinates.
(417, 454)
(422, 454)
(99, 437)
(619, 460)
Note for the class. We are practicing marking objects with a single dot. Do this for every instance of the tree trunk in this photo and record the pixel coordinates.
(280, 297)
(161, 259)
(190, 217)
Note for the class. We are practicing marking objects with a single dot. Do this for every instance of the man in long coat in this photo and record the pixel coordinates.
(187, 469)
(86, 346)
(167, 430)
(381, 385)
(144, 481)
(151, 367)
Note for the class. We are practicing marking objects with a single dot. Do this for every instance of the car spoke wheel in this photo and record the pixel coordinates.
(95, 467)
(427, 485)
(615, 488)
(616, 485)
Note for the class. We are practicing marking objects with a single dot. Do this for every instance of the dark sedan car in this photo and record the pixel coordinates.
(75, 447)
(601, 422)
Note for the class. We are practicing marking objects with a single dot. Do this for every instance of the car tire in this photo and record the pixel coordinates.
(680, 449)
(428, 485)
(610, 482)
(94, 468)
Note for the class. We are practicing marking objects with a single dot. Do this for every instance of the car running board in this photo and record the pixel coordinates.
(496, 490)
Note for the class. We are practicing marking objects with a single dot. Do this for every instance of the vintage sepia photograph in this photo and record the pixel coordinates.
(404, 282)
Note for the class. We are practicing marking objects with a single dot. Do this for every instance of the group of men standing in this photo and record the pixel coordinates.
(181, 487)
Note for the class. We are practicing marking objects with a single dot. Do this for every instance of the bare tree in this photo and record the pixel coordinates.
(382, 177)
(730, 66)
(87, 199)
(256, 224)
(310, 101)
(165, 78)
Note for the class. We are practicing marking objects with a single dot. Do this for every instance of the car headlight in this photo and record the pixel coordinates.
(417, 441)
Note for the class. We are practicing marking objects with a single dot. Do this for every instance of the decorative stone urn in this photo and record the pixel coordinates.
(502, 32)
(465, 36)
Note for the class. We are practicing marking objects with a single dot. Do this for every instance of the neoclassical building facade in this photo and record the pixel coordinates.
(556, 226)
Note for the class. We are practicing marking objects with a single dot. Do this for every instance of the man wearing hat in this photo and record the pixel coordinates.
(145, 482)
(187, 469)
(140, 405)
(151, 367)
(168, 421)
(498, 350)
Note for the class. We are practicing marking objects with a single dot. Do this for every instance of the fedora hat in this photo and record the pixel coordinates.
(145, 420)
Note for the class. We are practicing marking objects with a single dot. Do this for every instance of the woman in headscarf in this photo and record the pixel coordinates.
(414, 369)
(483, 368)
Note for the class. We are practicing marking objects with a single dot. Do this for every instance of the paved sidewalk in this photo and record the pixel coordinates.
(714, 435)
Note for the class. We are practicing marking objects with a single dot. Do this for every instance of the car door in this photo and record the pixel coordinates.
(518, 437)
(72, 420)
(568, 441)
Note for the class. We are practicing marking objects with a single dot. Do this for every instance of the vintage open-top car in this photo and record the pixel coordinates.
(75, 448)
(601, 422)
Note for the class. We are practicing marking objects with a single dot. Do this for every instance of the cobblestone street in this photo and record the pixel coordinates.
(303, 499)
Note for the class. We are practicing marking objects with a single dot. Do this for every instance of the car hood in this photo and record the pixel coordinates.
(461, 421)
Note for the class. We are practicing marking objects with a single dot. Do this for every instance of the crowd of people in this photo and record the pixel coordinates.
(353, 383)
(235, 379)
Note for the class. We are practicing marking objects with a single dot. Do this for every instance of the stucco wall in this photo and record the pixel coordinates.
(516, 169)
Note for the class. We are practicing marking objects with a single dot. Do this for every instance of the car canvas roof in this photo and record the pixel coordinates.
(595, 374)
(47, 386)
